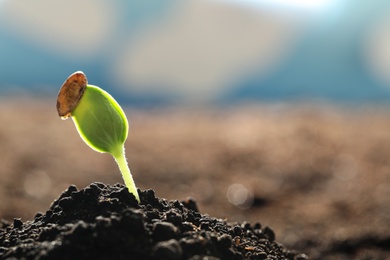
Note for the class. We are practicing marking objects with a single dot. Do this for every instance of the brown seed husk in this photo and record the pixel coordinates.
(71, 93)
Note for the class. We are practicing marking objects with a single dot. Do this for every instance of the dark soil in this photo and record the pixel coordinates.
(106, 222)
(318, 174)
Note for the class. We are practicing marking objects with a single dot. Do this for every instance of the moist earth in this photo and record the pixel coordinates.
(106, 222)
(318, 174)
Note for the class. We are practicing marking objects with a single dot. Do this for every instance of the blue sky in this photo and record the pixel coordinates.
(199, 51)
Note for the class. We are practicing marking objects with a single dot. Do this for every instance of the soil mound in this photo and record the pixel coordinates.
(106, 222)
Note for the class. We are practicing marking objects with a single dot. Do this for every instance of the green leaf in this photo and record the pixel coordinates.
(100, 120)
(103, 126)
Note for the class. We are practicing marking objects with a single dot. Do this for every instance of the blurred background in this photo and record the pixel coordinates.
(216, 51)
(271, 111)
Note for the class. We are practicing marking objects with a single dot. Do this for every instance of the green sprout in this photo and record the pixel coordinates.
(99, 119)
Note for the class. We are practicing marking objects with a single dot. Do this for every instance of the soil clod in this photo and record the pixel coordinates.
(106, 222)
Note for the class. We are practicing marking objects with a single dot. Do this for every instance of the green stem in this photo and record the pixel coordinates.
(126, 174)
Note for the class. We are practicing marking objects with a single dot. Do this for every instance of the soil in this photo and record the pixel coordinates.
(106, 222)
(316, 174)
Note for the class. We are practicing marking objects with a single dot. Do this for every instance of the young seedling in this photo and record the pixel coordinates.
(99, 119)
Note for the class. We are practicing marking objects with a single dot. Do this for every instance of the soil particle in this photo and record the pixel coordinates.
(106, 222)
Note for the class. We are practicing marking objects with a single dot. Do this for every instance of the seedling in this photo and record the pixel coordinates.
(98, 118)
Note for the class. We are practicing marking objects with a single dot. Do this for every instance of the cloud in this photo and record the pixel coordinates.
(376, 50)
(76, 28)
(202, 48)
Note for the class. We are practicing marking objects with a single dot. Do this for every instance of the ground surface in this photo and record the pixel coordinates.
(106, 222)
(318, 176)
